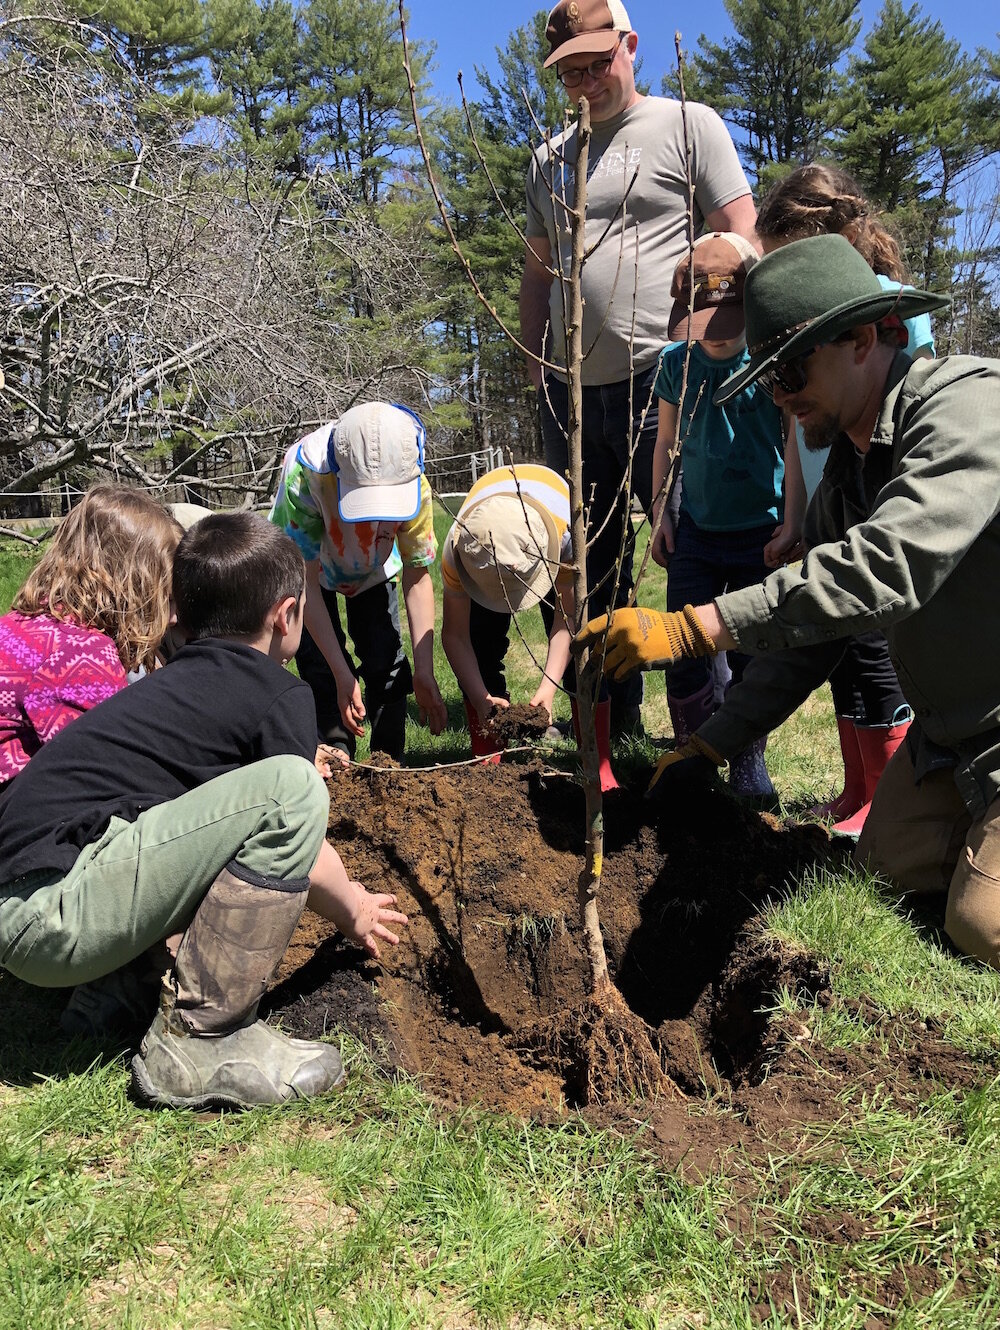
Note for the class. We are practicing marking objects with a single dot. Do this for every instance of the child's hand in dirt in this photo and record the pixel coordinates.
(328, 759)
(370, 913)
(544, 698)
(489, 705)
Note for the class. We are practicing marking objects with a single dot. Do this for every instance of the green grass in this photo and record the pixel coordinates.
(375, 1209)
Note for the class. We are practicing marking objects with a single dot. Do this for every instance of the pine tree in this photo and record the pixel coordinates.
(913, 125)
(778, 79)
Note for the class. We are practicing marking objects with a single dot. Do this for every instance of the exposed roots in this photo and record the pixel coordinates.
(603, 1051)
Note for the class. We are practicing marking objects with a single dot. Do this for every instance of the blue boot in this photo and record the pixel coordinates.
(748, 775)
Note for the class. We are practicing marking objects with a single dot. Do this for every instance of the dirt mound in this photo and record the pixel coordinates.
(491, 974)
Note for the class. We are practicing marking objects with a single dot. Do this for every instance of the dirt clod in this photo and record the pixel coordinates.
(519, 722)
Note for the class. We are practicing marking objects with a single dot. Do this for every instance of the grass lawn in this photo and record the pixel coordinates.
(378, 1209)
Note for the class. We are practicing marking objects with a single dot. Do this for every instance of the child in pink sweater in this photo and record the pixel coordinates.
(95, 607)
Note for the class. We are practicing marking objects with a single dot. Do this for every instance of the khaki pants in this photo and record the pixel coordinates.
(923, 839)
(143, 880)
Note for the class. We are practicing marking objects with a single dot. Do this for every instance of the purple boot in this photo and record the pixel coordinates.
(688, 713)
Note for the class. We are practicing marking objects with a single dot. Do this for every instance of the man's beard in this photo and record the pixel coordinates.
(821, 432)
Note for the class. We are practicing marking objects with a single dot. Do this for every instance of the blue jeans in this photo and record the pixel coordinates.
(704, 564)
(609, 430)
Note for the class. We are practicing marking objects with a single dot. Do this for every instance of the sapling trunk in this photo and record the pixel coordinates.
(587, 679)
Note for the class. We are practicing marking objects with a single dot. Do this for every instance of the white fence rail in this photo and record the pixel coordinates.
(456, 473)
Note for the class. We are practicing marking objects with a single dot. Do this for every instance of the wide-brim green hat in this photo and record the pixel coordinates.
(808, 293)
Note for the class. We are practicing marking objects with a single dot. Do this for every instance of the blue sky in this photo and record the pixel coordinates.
(468, 34)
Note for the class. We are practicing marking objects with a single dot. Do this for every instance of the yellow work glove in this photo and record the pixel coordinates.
(702, 759)
(646, 639)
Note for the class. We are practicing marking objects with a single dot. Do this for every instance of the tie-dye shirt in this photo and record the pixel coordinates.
(353, 556)
(50, 672)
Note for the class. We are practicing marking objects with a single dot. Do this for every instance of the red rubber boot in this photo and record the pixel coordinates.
(602, 725)
(855, 793)
(876, 746)
(484, 743)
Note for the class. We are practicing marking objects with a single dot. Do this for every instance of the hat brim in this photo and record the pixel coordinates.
(523, 595)
(603, 40)
(719, 324)
(379, 503)
(851, 314)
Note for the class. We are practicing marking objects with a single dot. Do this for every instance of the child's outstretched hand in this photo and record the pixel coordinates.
(370, 916)
(329, 759)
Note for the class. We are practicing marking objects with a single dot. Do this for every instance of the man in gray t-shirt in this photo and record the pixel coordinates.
(626, 279)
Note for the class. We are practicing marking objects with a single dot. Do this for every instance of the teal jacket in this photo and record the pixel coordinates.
(905, 539)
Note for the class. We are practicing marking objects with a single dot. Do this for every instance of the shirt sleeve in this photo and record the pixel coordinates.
(295, 509)
(535, 224)
(82, 675)
(667, 385)
(718, 176)
(415, 539)
(945, 493)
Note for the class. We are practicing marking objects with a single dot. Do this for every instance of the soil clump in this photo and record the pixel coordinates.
(519, 722)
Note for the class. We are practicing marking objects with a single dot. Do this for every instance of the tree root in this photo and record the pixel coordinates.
(603, 1051)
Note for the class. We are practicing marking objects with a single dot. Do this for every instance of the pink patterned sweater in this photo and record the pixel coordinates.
(49, 673)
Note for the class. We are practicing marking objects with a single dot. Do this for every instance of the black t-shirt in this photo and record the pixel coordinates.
(216, 706)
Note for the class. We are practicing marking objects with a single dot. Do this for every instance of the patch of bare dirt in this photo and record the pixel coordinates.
(486, 998)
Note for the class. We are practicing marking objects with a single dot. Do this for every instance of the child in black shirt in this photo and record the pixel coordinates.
(188, 806)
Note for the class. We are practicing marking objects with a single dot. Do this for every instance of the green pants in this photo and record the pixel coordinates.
(143, 880)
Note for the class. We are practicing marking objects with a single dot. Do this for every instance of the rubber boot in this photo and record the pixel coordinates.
(205, 1047)
(748, 774)
(876, 746)
(854, 793)
(602, 728)
(485, 744)
(688, 713)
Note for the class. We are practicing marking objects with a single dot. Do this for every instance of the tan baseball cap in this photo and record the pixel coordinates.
(506, 552)
(377, 454)
(719, 263)
(585, 25)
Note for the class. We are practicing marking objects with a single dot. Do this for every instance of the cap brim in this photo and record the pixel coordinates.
(719, 324)
(852, 313)
(379, 503)
(604, 40)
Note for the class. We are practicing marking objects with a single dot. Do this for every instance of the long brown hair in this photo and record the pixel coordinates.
(108, 567)
(816, 200)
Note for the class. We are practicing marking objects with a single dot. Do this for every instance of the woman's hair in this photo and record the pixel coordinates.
(108, 567)
(817, 200)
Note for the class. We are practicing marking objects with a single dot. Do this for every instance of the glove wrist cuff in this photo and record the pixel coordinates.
(699, 643)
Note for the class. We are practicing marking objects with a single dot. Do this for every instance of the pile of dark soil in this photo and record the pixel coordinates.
(519, 723)
(483, 994)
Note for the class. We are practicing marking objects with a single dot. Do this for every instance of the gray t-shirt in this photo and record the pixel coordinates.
(648, 136)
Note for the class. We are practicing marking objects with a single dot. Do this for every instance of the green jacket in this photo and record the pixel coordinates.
(905, 539)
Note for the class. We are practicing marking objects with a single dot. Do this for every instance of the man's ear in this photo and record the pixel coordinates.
(285, 615)
(865, 340)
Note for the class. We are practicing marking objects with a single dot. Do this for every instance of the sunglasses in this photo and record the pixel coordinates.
(791, 375)
(597, 69)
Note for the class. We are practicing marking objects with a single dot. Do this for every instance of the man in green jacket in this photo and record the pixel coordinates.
(904, 536)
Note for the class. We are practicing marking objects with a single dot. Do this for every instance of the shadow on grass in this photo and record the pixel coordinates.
(32, 1047)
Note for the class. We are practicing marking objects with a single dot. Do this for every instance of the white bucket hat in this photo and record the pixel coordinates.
(377, 454)
(507, 552)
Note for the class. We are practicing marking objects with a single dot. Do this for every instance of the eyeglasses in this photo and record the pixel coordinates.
(597, 69)
(791, 375)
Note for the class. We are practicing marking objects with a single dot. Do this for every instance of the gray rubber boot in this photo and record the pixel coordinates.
(205, 1047)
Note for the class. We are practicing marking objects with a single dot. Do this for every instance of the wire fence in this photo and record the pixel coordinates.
(451, 476)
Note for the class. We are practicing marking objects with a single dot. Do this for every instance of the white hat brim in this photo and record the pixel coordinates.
(379, 503)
